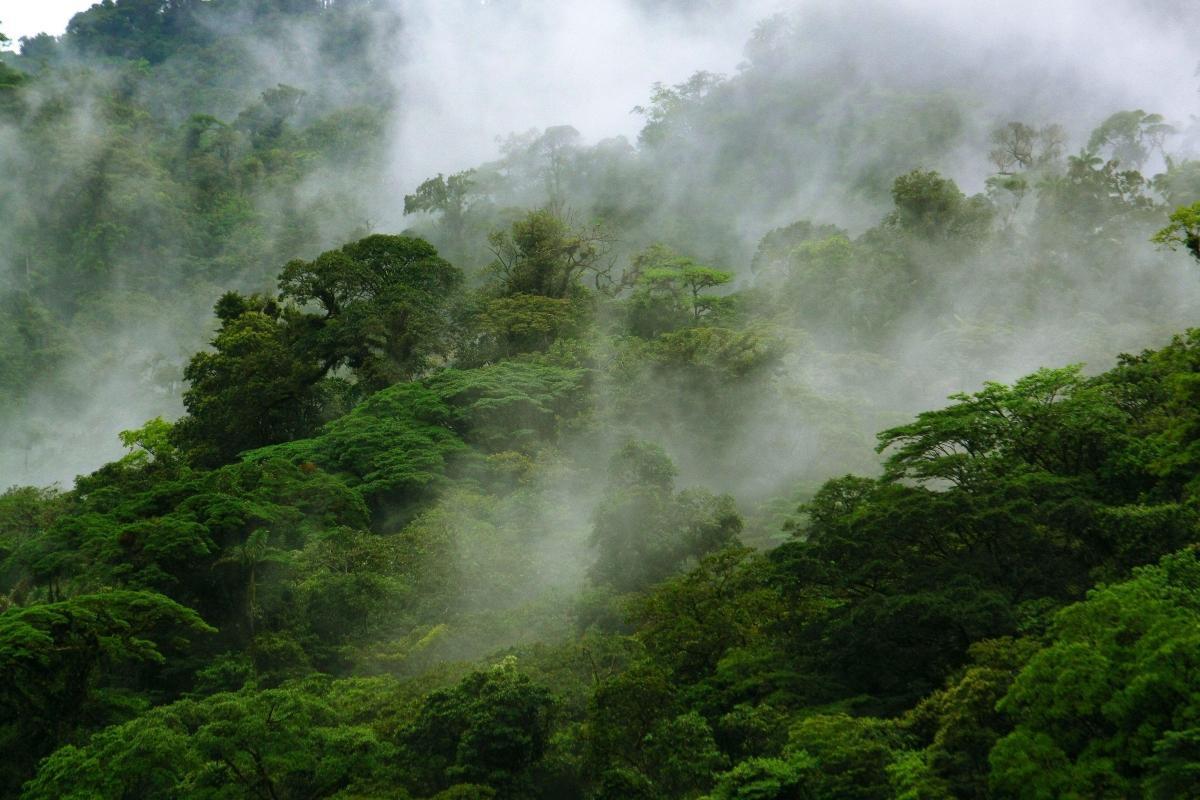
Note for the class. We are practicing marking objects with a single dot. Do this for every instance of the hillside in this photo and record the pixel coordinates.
(838, 437)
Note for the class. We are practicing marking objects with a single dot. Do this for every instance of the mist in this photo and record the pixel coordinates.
(527, 399)
(856, 65)
(471, 73)
(814, 101)
(461, 83)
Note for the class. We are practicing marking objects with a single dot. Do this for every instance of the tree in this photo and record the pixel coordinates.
(542, 255)
(681, 756)
(555, 147)
(1184, 229)
(128, 29)
(961, 722)
(1109, 707)
(491, 729)
(265, 121)
(446, 196)
(1027, 480)
(1007, 192)
(1179, 184)
(1053, 420)
(25, 514)
(541, 162)
(850, 755)
(767, 779)
(391, 449)
(624, 710)
(933, 209)
(671, 107)
(10, 78)
(257, 388)
(1094, 195)
(1014, 147)
(1130, 136)
(305, 740)
(384, 303)
(643, 530)
(150, 446)
(513, 405)
(668, 291)
(352, 587)
(776, 249)
(74, 665)
(250, 557)
(1021, 145)
(526, 323)
(691, 621)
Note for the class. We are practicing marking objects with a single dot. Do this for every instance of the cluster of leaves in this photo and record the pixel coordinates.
(317, 738)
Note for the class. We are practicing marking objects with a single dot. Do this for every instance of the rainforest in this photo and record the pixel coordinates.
(623, 400)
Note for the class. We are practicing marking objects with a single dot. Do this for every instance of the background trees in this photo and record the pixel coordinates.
(910, 635)
(644, 531)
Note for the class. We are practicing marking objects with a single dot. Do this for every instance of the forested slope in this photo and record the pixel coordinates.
(149, 159)
(545, 496)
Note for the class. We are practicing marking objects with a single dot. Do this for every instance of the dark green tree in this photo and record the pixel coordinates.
(75, 665)
(490, 729)
(256, 388)
(933, 209)
(384, 304)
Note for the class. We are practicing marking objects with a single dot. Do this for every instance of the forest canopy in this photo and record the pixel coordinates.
(835, 436)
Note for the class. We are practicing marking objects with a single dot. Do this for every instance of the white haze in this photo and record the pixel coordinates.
(31, 17)
(468, 73)
(471, 72)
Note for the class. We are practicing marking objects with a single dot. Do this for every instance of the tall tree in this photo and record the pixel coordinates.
(384, 302)
(255, 388)
(543, 255)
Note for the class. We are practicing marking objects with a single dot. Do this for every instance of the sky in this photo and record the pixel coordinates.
(29, 17)
(593, 62)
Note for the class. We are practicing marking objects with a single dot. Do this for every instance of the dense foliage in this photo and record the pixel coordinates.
(529, 502)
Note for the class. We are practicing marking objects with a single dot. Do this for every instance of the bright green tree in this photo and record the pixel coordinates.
(1184, 229)
(669, 291)
(1109, 708)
